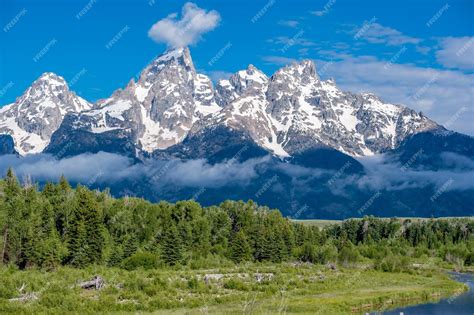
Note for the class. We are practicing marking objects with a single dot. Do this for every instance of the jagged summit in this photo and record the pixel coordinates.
(171, 57)
(35, 115)
(288, 112)
(159, 109)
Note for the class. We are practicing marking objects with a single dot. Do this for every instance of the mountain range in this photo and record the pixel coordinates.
(293, 118)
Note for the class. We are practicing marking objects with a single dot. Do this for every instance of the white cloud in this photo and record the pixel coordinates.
(378, 34)
(440, 94)
(319, 13)
(278, 60)
(424, 50)
(188, 30)
(289, 23)
(457, 52)
(109, 168)
(383, 174)
(219, 75)
(296, 40)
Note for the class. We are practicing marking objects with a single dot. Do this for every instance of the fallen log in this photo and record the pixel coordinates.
(25, 298)
(96, 283)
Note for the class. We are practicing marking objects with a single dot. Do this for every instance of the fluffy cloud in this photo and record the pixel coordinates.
(378, 34)
(296, 40)
(109, 168)
(218, 75)
(278, 60)
(441, 94)
(85, 168)
(457, 52)
(289, 23)
(382, 174)
(188, 30)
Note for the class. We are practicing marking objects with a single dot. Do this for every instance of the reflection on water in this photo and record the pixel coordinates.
(462, 304)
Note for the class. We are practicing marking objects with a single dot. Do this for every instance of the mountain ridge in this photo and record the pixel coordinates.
(285, 113)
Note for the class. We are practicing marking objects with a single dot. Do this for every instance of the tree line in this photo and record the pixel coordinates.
(60, 225)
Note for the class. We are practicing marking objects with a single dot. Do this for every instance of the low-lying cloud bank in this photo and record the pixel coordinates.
(108, 169)
(382, 175)
(103, 168)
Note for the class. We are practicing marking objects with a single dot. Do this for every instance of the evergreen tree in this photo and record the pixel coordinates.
(240, 248)
(85, 236)
(13, 205)
(171, 247)
(130, 246)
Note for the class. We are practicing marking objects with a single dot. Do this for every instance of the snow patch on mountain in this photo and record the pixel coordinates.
(35, 115)
(289, 112)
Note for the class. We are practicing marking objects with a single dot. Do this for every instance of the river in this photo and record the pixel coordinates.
(462, 304)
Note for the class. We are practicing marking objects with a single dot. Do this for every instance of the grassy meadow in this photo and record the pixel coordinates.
(284, 288)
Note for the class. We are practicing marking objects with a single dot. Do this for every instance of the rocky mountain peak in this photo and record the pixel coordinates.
(50, 78)
(171, 59)
(291, 111)
(36, 114)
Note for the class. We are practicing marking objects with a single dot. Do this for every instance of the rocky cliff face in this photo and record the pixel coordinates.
(35, 115)
(289, 112)
(295, 110)
(158, 110)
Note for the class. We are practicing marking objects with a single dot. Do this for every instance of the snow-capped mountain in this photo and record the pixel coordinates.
(173, 112)
(35, 115)
(158, 110)
(294, 110)
(289, 112)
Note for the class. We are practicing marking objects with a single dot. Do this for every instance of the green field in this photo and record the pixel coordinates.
(319, 223)
(323, 223)
(286, 288)
(233, 258)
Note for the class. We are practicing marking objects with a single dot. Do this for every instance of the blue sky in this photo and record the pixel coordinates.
(417, 53)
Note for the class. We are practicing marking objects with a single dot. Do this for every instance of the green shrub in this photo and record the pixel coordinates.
(348, 255)
(308, 253)
(327, 253)
(141, 260)
(392, 263)
(235, 284)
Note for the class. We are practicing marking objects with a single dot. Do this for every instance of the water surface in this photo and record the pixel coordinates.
(462, 304)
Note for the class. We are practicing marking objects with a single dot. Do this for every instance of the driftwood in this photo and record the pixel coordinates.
(260, 277)
(96, 283)
(331, 266)
(212, 276)
(25, 298)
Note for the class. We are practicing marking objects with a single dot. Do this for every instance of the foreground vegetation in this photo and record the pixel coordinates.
(183, 257)
(284, 289)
